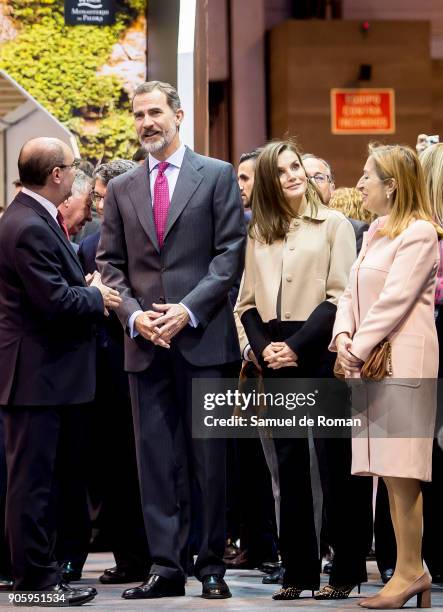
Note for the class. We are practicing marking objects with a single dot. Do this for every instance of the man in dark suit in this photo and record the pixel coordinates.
(114, 481)
(48, 360)
(172, 242)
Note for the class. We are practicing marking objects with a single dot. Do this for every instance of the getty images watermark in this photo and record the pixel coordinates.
(243, 402)
(327, 407)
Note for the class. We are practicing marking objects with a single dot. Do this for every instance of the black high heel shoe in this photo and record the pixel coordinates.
(336, 592)
(289, 592)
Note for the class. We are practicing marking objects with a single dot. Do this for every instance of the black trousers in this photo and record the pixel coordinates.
(385, 545)
(347, 499)
(162, 410)
(5, 563)
(113, 480)
(258, 530)
(73, 523)
(39, 453)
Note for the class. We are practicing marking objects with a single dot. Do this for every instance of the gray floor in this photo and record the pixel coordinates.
(249, 594)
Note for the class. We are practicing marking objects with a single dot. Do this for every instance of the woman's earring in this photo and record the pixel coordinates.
(388, 195)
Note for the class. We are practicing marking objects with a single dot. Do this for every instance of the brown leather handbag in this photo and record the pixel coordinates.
(376, 367)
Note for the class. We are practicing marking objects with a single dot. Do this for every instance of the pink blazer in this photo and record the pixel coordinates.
(391, 295)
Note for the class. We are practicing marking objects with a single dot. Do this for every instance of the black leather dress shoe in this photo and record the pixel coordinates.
(6, 584)
(269, 567)
(120, 575)
(327, 567)
(69, 572)
(274, 578)
(386, 575)
(155, 586)
(70, 596)
(214, 587)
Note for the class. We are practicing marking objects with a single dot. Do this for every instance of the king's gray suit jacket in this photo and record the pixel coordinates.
(200, 260)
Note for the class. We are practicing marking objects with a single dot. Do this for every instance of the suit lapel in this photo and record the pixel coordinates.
(42, 212)
(189, 179)
(140, 194)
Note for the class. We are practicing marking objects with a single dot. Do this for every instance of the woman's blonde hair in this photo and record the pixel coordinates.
(410, 200)
(431, 160)
(349, 201)
(271, 212)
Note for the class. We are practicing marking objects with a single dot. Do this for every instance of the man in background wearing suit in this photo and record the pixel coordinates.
(114, 482)
(48, 360)
(172, 243)
(77, 209)
(320, 171)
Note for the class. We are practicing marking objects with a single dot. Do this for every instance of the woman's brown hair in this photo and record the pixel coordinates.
(410, 197)
(271, 212)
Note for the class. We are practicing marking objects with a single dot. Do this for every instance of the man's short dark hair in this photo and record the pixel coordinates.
(35, 169)
(17, 183)
(86, 167)
(170, 92)
(106, 172)
(140, 154)
(253, 155)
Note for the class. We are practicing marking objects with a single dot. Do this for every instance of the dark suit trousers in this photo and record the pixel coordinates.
(5, 565)
(73, 518)
(36, 450)
(347, 500)
(162, 409)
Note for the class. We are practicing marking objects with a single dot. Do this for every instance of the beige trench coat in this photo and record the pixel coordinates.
(391, 294)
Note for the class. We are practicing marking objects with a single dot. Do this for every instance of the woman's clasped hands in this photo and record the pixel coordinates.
(278, 355)
(350, 363)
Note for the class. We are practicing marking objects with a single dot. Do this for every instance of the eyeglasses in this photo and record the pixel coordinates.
(96, 197)
(321, 178)
(75, 164)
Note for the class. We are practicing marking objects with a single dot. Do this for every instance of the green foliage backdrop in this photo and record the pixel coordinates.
(57, 65)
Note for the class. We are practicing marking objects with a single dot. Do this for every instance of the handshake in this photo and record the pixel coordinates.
(111, 297)
(160, 325)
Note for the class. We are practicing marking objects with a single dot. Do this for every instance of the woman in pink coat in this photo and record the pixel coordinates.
(391, 295)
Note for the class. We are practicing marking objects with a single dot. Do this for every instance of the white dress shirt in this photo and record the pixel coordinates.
(172, 171)
(47, 205)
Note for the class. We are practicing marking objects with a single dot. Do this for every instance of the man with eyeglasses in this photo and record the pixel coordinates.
(319, 171)
(47, 352)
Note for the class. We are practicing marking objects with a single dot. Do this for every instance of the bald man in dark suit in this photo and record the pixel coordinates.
(48, 360)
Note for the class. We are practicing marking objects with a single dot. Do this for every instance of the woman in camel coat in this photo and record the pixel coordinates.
(391, 295)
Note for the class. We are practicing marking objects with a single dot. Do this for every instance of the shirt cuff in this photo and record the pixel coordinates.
(246, 351)
(133, 332)
(193, 322)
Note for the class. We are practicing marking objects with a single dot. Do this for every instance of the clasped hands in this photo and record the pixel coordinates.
(111, 297)
(350, 363)
(160, 325)
(278, 355)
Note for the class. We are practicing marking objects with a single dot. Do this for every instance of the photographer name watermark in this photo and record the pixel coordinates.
(326, 407)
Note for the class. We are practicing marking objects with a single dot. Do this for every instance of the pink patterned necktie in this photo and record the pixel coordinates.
(161, 201)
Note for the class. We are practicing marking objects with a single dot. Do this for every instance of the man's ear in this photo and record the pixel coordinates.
(55, 176)
(179, 116)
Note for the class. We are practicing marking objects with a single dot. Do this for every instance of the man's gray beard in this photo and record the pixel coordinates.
(162, 143)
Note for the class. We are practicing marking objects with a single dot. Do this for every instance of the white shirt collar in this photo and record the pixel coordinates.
(47, 205)
(176, 159)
